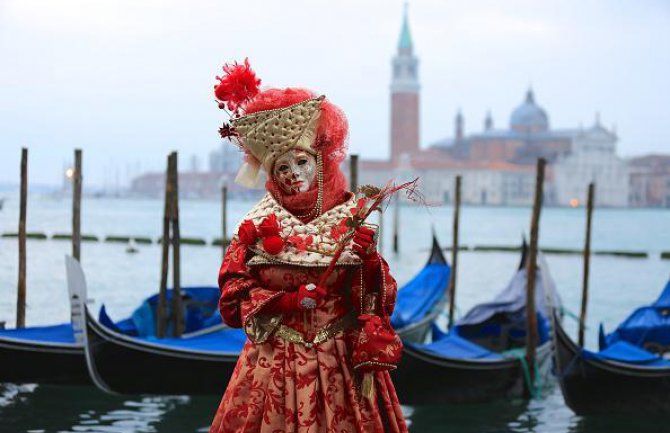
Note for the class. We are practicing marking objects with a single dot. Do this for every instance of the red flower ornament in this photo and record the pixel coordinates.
(247, 233)
(269, 226)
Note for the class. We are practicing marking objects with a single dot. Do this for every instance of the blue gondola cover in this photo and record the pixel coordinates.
(416, 298)
(648, 324)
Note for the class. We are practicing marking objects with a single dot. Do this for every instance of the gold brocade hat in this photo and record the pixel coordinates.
(268, 134)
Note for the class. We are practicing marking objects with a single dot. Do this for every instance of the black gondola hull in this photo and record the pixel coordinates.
(593, 387)
(124, 365)
(26, 361)
(425, 378)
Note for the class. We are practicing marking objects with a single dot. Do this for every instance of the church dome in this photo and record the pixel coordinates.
(529, 117)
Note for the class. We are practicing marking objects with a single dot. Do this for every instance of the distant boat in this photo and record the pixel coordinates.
(630, 374)
(55, 354)
(203, 363)
(482, 357)
(132, 247)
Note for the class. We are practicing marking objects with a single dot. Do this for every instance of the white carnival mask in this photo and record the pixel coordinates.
(294, 171)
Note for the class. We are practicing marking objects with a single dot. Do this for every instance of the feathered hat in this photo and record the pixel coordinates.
(264, 135)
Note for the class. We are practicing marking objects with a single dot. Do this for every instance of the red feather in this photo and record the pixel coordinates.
(238, 85)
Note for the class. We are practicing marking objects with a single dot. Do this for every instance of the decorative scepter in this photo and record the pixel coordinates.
(370, 199)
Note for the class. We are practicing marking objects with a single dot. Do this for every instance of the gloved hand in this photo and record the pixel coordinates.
(307, 297)
(365, 244)
(378, 346)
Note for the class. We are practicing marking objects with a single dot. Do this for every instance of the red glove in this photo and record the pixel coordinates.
(378, 347)
(307, 297)
(365, 244)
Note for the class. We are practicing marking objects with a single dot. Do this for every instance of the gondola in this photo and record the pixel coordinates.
(421, 300)
(55, 354)
(203, 364)
(629, 374)
(482, 358)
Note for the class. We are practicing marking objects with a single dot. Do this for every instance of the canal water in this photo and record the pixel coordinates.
(121, 280)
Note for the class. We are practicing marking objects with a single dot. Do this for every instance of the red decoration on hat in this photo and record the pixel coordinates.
(238, 85)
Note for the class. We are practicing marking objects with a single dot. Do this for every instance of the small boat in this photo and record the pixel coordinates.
(482, 358)
(55, 354)
(131, 248)
(203, 363)
(629, 374)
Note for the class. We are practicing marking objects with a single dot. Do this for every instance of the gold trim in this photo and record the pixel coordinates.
(324, 334)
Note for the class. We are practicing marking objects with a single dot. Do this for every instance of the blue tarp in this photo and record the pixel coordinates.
(510, 303)
(623, 351)
(52, 334)
(510, 300)
(200, 311)
(417, 297)
(453, 346)
(649, 324)
(226, 340)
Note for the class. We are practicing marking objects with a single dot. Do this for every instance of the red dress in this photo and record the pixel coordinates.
(283, 385)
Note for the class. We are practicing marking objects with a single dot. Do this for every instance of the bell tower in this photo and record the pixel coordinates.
(404, 96)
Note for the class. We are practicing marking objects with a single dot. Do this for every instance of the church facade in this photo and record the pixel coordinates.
(497, 165)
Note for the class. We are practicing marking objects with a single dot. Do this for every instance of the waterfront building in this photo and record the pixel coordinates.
(497, 165)
(650, 181)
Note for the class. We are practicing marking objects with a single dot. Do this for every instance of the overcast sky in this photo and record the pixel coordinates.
(130, 80)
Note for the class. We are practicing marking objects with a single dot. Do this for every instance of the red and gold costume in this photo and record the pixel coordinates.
(302, 368)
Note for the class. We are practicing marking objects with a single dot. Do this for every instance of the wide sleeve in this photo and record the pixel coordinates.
(243, 297)
(375, 290)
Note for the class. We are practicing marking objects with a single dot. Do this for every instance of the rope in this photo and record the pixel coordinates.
(571, 315)
(535, 389)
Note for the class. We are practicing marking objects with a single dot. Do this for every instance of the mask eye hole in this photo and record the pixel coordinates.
(302, 161)
(283, 168)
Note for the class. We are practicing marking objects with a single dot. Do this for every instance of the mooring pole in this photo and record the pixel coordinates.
(380, 234)
(76, 206)
(587, 262)
(454, 253)
(161, 320)
(21, 290)
(224, 218)
(531, 315)
(176, 240)
(396, 223)
(353, 172)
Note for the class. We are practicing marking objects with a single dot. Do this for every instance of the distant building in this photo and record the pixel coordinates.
(650, 181)
(224, 163)
(497, 165)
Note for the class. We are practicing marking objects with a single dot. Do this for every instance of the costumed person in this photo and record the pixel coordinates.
(302, 275)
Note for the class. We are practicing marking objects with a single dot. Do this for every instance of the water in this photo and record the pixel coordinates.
(122, 280)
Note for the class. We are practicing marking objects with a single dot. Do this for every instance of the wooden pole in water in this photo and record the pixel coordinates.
(531, 315)
(587, 260)
(76, 206)
(454, 253)
(161, 320)
(224, 218)
(176, 261)
(380, 235)
(396, 223)
(353, 172)
(21, 290)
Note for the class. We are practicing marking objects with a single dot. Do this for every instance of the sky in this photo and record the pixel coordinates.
(128, 81)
